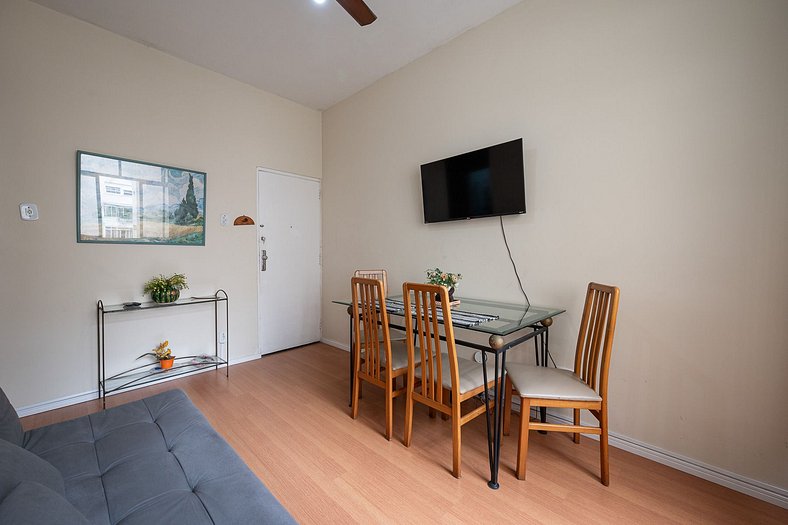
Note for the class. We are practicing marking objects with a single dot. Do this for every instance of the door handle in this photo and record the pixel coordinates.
(263, 261)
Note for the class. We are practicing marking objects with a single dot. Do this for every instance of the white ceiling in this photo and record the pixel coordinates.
(313, 54)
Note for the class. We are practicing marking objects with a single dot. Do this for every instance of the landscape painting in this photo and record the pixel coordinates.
(132, 202)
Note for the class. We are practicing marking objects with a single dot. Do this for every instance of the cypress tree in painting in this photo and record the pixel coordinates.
(187, 211)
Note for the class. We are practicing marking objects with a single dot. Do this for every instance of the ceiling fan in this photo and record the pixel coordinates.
(359, 11)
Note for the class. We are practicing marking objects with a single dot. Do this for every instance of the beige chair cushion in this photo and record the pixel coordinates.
(471, 373)
(393, 335)
(399, 355)
(540, 382)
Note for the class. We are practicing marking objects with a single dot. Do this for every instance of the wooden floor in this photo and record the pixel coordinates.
(287, 416)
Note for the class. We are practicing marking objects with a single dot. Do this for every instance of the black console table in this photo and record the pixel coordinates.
(149, 372)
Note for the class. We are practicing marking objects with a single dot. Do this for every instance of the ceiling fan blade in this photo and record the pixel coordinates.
(358, 10)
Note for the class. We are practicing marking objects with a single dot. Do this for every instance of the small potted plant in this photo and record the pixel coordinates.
(165, 289)
(446, 279)
(163, 353)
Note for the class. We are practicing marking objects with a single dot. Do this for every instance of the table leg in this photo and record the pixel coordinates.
(498, 413)
(494, 427)
(543, 410)
(493, 483)
(487, 412)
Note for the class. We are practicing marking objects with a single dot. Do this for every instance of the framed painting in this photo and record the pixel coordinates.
(122, 201)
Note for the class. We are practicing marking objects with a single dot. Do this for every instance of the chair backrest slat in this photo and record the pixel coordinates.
(369, 308)
(421, 320)
(424, 341)
(595, 337)
(600, 316)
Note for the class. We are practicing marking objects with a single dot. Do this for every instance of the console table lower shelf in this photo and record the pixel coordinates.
(151, 373)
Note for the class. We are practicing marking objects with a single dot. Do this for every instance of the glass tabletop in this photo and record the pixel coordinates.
(130, 307)
(510, 317)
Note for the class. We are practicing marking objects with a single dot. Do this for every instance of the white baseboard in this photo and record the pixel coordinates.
(57, 403)
(244, 359)
(91, 395)
(757, 489)
(342, 346)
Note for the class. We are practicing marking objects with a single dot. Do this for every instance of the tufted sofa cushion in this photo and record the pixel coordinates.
(156, 460)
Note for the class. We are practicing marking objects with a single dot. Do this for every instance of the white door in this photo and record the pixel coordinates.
(288, 260)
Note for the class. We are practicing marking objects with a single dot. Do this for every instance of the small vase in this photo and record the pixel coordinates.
(166, 364)
(451, 295)
(166, 296)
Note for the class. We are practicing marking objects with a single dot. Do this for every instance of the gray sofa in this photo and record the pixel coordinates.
(156, 460)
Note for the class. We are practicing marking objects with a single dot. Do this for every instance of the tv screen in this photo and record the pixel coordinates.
(483, 183)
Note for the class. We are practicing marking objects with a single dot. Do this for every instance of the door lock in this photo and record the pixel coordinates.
(263, 261)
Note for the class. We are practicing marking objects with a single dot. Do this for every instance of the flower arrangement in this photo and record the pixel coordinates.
(163, 353)
(438, 276)
(165, 289)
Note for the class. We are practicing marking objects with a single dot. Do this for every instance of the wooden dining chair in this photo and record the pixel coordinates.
(378, 359)
(585, 387)
(375, 274)
(383, 276)
(440, 380)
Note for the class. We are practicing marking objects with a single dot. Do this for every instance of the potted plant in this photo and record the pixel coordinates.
(163, 353)
(165, 289)
(446, 279)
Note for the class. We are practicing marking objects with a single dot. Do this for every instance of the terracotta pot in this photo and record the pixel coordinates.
(166, 363)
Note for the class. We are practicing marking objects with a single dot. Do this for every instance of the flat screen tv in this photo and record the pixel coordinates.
(482, 183)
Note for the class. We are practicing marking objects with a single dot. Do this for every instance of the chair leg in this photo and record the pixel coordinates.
(507, 406)
(522, 442)
(446, 396)
(389, 406)
(603, 450)
(356, 384)
(576, 420)
(354, 399)
(408, 410)
(456, 440)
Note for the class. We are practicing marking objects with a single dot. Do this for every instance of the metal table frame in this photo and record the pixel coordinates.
(220, 296)
(498, 346)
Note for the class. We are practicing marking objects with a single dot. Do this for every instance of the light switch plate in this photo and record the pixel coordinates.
(28, 211)
(224, 219)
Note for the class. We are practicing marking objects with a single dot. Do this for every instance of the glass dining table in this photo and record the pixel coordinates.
(505, 326)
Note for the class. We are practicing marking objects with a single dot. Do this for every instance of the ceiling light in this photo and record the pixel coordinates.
(319, 1)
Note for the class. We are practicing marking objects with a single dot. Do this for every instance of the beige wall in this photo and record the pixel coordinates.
(655, 145)
(67, 85)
